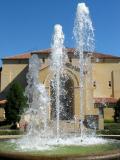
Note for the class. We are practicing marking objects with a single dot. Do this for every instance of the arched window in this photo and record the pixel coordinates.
(66, 99)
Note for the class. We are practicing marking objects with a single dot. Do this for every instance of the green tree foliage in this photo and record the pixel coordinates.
(16, 103)
(117, 111)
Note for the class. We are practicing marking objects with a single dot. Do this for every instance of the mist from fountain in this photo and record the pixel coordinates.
(84, 39)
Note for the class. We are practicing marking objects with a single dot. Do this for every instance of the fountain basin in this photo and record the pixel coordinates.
(110, 150)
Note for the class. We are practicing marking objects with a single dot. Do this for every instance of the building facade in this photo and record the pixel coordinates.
(105, 88)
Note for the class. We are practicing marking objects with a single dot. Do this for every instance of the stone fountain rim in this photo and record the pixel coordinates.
(26, 156)
(7, 137)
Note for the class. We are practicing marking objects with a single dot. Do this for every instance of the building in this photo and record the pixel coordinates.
(105, 75)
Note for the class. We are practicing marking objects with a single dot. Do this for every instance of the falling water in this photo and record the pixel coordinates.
(37, 112)
(84, 38)
(58, 58)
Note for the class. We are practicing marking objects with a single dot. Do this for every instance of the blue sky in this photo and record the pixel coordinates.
(27, 25)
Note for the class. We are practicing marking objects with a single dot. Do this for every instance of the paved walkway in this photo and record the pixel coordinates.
(110, 136)
(2, 137)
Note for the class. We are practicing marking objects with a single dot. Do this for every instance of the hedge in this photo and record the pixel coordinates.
(11, 132)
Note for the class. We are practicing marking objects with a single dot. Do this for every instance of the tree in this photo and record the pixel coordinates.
(117, 111)
(16, 103)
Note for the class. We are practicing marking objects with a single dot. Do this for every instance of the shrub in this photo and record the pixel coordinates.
(109, 132)
(109, 121)
(117, 111)
(112, 126)
(16, 102)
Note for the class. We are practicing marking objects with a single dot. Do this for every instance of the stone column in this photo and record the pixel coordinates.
(101, 117)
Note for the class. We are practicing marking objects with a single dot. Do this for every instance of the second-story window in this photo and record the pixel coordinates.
(70, 59)
(94, 84)
(110, 84)
(43, 59)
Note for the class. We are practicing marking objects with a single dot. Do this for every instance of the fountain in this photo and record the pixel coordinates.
(42, 138)
(84, 38)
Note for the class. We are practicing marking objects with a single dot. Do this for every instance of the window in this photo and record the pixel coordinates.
(97, 60)
(109, 84)
(67, 102)
(94, 84)
(43, 59)
(70, 59)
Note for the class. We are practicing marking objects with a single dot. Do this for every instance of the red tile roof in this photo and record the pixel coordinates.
(3, 101)
(104, 56)
(48, 51)
(104, 100)
(19, 56)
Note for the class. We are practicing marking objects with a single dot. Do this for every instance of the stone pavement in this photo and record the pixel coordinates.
(2, 137)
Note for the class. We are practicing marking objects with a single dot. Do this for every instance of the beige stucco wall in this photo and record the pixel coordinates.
(13, 70)
(102, 74)
(116, 82)
(2, 114)
(108, 113)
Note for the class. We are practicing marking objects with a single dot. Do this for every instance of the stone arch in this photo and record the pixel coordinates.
(73, 76)
(68, 72)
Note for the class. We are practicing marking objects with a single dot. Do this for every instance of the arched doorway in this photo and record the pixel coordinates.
(66, 99)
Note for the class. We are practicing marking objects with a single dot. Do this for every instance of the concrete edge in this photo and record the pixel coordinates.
(2, 137)
(23, 156)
